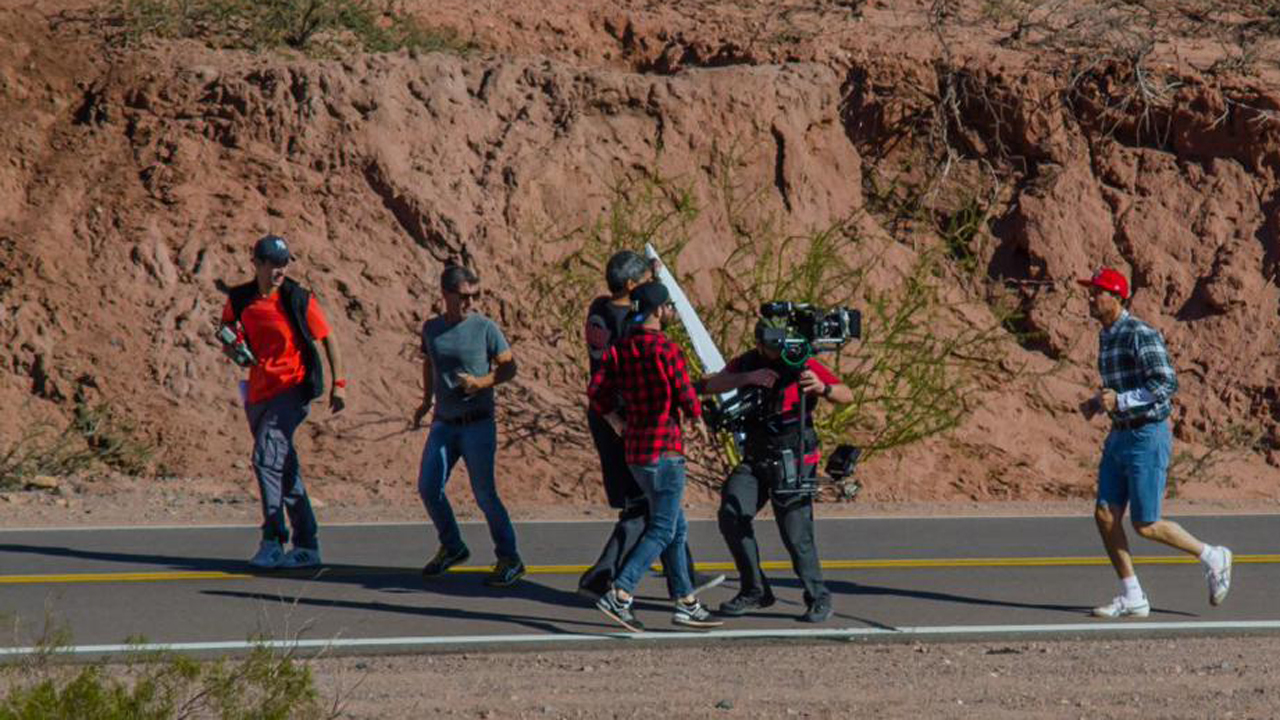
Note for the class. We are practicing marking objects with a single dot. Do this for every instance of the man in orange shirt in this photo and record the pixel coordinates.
(281, 323)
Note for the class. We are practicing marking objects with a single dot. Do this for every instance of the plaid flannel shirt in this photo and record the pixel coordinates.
(1132, 356)
(648, 371)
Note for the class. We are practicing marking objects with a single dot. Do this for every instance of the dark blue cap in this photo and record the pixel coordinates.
(273, 249)
(646, 299)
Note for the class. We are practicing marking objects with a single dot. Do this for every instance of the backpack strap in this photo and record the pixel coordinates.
(296, 301)
(241, 296)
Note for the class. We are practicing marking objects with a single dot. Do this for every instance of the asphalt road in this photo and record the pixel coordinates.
(942, 576)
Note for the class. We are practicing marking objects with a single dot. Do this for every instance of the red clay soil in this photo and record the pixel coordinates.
(132, 180)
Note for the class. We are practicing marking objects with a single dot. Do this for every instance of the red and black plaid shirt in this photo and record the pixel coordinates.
(649, 372)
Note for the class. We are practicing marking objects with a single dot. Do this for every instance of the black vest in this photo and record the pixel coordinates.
(295, 299)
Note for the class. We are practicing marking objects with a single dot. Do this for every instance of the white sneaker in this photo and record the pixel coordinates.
(1122, 607)
(1219, 580)
(301, 558)
(270, 554)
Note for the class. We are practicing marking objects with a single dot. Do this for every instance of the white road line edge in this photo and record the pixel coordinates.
(850, 633)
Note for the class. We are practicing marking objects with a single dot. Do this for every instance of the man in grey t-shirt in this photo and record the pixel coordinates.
(464, 355)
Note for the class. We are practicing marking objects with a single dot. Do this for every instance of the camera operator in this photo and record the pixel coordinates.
(751, 483)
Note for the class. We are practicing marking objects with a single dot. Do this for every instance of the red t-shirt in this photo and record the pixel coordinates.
(265, 325)
(789, 405)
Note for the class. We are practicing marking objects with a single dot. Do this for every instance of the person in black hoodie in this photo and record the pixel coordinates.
(607, 324)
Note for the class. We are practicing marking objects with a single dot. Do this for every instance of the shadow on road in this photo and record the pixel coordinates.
(526, 590)
(846, 588)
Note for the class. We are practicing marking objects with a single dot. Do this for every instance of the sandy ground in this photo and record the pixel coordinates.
(1216, 677)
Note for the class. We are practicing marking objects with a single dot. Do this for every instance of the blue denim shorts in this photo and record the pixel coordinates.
(1133, 468)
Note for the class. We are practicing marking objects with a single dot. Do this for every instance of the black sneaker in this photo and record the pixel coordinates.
(703, 582)
(445, 559)
(741, 604)
(819, 611)
(694, 615)
(505, 573)
(619, 611)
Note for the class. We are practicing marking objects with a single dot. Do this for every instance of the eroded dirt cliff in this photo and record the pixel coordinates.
(133, 179)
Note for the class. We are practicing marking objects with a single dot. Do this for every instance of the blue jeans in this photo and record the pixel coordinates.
(476, 443)
(1132, 471)
(666, 532)
(275, 462)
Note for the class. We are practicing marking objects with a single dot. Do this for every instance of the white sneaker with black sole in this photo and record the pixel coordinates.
(1123, 607)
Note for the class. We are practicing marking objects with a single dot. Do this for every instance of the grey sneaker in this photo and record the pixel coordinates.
(445, 559)
(1219, 580)
(1120, 607)
(269, 556)
(694, 615)
(619, 611)
(505, 573)
(302, 558)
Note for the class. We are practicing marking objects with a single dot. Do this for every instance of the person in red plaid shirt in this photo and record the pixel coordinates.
(607, 323)
(648, 371)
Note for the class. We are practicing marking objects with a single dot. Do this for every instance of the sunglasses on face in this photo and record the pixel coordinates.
(466, 297)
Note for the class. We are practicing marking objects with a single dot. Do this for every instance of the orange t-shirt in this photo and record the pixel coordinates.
(266, 326)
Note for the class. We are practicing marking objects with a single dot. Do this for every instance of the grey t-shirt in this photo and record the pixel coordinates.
(468, 346)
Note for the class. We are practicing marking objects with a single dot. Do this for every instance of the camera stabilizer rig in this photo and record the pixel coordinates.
(806, 330)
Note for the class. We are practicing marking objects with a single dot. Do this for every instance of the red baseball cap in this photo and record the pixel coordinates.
(1108, 279)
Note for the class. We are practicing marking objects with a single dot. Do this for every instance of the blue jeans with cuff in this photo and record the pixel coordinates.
(666, 533)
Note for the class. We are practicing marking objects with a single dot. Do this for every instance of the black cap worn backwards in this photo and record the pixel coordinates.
(646, 299)
(273, 249)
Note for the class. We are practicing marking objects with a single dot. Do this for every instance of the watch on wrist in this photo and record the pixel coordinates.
(826, 391)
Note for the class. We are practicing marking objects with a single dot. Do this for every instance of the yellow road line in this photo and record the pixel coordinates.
(870, 564)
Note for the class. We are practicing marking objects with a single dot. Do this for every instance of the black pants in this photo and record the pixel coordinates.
(741, 498)
(633, 510)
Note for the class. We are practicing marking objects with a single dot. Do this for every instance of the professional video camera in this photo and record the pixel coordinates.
(809, 329)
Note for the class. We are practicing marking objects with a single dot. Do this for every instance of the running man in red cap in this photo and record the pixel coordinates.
(1138, 383)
